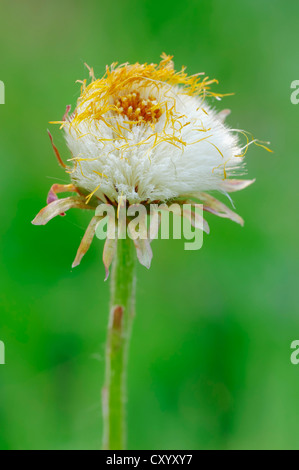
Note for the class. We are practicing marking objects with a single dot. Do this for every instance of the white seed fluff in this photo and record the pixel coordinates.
(187, 150)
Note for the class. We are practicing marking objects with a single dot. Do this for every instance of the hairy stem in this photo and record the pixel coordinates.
(119, 332)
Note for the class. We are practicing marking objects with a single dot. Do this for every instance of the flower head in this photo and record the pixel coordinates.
(144, 132)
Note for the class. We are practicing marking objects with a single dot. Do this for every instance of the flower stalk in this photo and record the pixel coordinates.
(122, 311)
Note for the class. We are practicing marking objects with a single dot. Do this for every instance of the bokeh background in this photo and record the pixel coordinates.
(210, 355)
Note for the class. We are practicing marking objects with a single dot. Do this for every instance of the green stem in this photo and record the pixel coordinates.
(119, 332)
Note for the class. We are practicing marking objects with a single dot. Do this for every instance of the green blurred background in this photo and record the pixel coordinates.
(210, 355)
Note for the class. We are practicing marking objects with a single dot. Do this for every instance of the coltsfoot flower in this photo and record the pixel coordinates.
(144, 133)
